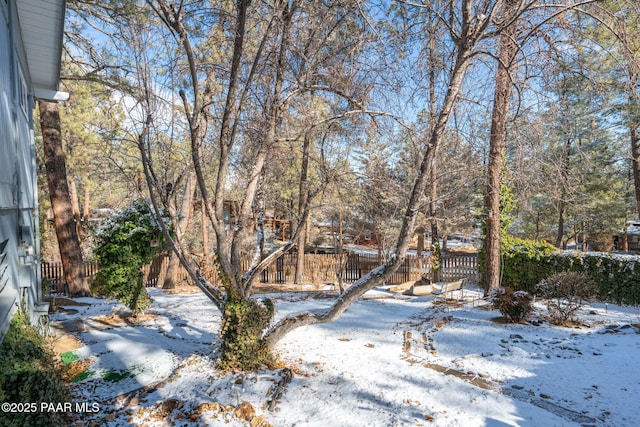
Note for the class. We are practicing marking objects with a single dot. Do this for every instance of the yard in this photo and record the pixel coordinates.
(386, 362)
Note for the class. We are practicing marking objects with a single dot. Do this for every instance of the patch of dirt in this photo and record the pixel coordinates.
(183, 288)
(120, 319)
(501, 320)
(74, 369)
(271, 288)
(64, 342)
(57, 304)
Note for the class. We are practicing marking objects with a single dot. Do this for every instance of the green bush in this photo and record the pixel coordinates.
(526, 263)
(125, 243)
(616, 276)
(515, 306)
(29, 374)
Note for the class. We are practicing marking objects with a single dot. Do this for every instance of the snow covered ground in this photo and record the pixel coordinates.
(385, 362)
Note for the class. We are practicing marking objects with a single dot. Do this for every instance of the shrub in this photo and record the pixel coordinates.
(29, 374)
(525, 262)
(566, 293)
(515, 306)
(125, 243)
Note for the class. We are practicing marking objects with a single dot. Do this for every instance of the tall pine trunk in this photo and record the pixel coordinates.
(635, 164)
(497, 148)
(63, 218)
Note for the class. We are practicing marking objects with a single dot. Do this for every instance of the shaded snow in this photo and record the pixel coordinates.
(385, 362)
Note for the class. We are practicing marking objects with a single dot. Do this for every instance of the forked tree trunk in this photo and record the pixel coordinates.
(63, 219)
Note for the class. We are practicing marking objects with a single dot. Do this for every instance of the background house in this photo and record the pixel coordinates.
(30, 49)
(633, 236)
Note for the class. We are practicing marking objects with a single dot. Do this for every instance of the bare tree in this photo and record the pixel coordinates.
(469, 26)
(240, 107)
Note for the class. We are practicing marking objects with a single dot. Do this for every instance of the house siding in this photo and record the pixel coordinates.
(19, 232)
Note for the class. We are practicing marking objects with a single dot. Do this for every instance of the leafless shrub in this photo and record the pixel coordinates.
(515, 306)
(566, 292)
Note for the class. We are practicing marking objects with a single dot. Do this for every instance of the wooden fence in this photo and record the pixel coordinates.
(318, 268)
(53, 275)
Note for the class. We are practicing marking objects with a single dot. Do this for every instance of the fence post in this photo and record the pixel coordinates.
(279, 269)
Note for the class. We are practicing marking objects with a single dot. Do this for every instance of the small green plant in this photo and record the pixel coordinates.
(68, 357)
(29, 374)
(566, 292)
(125, 243)
(515, 306)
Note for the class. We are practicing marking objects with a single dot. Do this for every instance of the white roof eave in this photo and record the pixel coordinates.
(42, 27)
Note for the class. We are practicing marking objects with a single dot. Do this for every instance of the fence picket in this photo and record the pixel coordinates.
(318, 268)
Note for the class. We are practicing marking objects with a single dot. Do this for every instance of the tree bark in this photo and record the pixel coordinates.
(173, 267)
(497, 147)
(86, 207)
(635, 164)
(204, 230)
(433, 209)
(564, 181)
(75, 207)
(303, 197)
(63, 218)
(560, 232)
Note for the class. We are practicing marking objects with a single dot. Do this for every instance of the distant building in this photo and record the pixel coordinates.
(30, 51)
(633, 236)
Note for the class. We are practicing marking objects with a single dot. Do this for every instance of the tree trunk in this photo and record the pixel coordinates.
(86, 207)
(560, 233)
(635, 164)
(303, 197)
(420, 234)
(433, 210)
(204, 230)
(63, 219)
(173, 267)
(75, 206)
(340, 255)
(497, 147)
(564, 181)
(302, 237)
